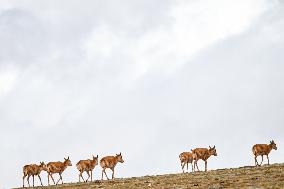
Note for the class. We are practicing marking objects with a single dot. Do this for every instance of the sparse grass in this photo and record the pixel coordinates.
(244, 177)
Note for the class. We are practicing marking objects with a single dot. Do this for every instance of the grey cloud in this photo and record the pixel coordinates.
(20, 32)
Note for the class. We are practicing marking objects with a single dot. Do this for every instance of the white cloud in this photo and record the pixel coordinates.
(192, 26)
(200, 24)
(7, 81)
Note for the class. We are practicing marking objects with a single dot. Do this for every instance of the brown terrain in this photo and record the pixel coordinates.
(267, 176)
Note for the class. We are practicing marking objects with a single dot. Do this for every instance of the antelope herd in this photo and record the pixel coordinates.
(82, 166)
(195, 155)
(111, 161)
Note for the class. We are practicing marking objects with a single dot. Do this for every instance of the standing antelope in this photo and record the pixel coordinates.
(57, 167)
(263, 149)
(110, 162)
(87, 165)
(186, 158)
(33, 170)
(204, 154)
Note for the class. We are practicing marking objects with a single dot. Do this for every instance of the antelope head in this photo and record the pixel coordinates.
(212, 151)
(119, 158)
(67, 161)
(95, 159)
(273, 145)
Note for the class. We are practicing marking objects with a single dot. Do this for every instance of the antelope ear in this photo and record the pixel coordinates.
(209, 147)
(120, 153)
(214, 146)
(68, 157)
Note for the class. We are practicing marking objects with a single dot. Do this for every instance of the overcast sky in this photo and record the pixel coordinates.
(146, 78)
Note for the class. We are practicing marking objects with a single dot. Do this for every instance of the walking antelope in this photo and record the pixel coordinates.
(186, 158)
(204, 154)
(110, 162)
(32, 170)
(57, 167)
(87, 165)
(263, 149)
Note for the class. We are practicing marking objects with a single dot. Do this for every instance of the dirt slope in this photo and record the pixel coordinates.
(244, 177)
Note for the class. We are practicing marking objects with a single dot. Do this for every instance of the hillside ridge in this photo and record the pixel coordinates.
(266, 176)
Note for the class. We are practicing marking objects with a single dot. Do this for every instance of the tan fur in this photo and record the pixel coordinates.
(110, 162)
(261, 150)
(32, 170)
(87, 165)
(57, 167)
(204, 154)
(185, 159)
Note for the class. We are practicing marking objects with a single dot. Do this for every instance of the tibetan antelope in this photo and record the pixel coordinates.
(87, 165)
(32, 170)
(263, 149)
(57, 167)
(204, 154)
(110, 162)
(186, 158)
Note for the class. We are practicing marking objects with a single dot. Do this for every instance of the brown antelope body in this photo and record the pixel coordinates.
(204, 154)
(57, 167)
(87, 165)
(110, 162)
(185, 159)
(261, 150)
(32, 170)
